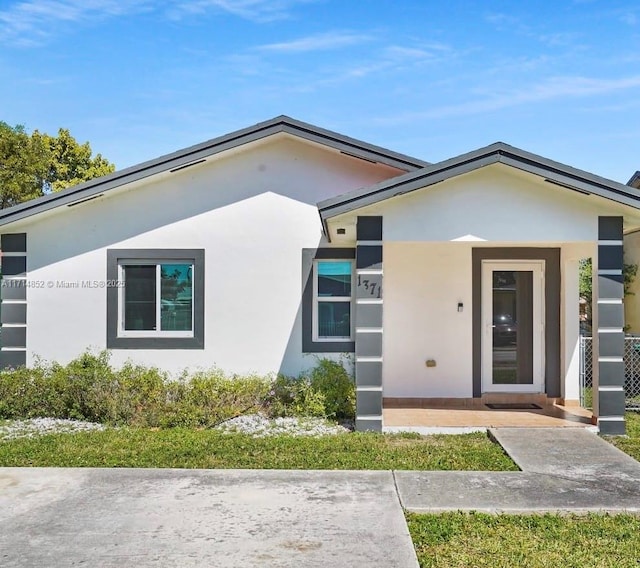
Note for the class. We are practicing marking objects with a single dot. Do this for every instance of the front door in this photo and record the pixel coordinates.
(513, 326)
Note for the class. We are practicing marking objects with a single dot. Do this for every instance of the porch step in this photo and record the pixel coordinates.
(470, 403)
(517, 398)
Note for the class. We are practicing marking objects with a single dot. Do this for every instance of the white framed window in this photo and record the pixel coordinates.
(333, 285)
(156, 298)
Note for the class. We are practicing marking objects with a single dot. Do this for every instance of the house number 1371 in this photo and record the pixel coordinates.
(373, 288)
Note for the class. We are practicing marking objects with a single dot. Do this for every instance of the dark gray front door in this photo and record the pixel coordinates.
(513, 326)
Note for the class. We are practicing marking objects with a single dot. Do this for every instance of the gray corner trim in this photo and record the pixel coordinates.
(14, 265)
(14, 337)
(13, 242)
(369, 228)
(114, 256)
(610, 228)
(12, 359)
(364, 424)
(563, 175)
(612, 427)
(13, 289)
(199, 152)
(13, 313)
(308, 345)
(634, 181)
(551, 256)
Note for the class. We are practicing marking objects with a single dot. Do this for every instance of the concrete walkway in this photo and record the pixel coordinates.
(563, 470)
(270, 518)
(206, 518)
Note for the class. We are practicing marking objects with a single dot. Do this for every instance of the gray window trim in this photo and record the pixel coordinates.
(114, 256)
(308, 256)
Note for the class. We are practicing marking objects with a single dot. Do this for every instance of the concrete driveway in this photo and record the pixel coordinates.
(213, 518)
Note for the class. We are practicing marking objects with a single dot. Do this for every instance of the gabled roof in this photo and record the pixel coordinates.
(553, 172)
(196, 154)
(635, 180)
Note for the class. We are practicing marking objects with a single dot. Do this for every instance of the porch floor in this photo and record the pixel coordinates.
(549, 416)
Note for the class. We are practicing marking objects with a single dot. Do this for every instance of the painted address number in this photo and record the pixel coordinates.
(369, 287)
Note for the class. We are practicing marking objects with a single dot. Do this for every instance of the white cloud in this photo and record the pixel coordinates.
(552, 88)
(255, 10)
(29, 22)
(317, 42)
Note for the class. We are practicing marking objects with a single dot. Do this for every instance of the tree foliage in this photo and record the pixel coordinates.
(629, 272)
(32, 165)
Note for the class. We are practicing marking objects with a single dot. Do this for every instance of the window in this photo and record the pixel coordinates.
(158, 302)
(156, 299)
(332, 300)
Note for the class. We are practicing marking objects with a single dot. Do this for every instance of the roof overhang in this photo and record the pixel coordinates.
(199, 153)
(553, 172)
(635, 180)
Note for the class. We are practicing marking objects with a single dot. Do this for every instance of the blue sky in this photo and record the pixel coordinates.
(433, 79)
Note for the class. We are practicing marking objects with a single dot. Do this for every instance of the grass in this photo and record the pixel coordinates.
(189, 448)
(527, 541)
(630, 444)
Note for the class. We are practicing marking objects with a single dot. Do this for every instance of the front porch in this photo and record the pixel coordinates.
(462, 414)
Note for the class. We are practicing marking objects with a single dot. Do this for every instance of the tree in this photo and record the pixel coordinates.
(23, 165)
(37, 164)
(71, 163)
(629, 272)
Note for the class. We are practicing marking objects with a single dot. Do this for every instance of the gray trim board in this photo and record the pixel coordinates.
(551, 256)
(199, 152)
(14, 336)
(195, 342)
(369, 324)
(13, 313)
(13, 242)
(610, 403)
(308, 256)
(13, 288)
(634, 181)
(562, 175)
(610, 228)
(369, 228)
(14, 265)
(12, 359)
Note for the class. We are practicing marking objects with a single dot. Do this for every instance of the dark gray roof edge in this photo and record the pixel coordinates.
(555, 171)
(635, 180)
(202, 150)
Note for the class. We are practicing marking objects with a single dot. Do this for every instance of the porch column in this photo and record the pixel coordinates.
(13, 294)
(368, 323)
(608, 293)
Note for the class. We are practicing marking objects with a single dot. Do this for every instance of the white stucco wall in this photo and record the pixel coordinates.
(423, 283)
(496, 204)
(252, 211)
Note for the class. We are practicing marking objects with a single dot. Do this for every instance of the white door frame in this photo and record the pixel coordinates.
(537, 267)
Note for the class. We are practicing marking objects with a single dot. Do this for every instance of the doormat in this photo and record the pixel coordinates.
(513, 406)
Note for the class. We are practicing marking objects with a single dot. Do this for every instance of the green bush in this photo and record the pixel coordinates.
(326, 391)
(336, 385)
(88, 388)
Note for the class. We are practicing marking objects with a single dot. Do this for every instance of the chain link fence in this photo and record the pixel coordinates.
(631, 374)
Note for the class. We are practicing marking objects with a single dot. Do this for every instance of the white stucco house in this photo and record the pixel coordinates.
(259, 249)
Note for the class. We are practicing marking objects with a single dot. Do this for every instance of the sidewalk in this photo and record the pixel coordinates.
(563, 470)
(114, 518)
(280, 519)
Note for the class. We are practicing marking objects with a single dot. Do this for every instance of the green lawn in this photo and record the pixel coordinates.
(475, 540)
(631, 444)
(189, 448)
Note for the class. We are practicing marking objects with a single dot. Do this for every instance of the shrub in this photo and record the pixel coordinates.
(208, 398)
(88, 388)
(326, 391)
(336, 385)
